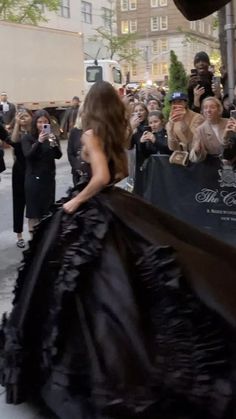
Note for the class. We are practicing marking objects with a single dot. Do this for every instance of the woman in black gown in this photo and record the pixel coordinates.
(120, 310)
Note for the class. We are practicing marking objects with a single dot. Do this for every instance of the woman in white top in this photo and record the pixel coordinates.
(209, 136)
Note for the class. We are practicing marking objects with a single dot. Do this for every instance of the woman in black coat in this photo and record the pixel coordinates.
(139, 124)
(74, 151)
(155, 139)
(22, 126)
(40, 149)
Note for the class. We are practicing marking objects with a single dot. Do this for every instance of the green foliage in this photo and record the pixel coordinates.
(177, 81)
(121, 45)
(26, 11)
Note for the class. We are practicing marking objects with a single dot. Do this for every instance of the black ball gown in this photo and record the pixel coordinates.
(121, 311)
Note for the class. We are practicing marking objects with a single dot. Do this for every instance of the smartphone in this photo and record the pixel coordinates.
(47, 129)
(233, 114)
(147, 128)
(193, 72)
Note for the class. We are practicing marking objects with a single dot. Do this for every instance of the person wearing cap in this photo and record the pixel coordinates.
(8, 110)
(200, 82)
(69, 118)
(182, 123)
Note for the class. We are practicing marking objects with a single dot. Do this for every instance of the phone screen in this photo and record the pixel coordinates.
(147, 128)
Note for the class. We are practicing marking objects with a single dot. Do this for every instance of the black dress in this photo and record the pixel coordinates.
(40, 175)
(121, 311)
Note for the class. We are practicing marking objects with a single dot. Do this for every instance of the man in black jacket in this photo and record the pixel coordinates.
(70, 116)
(3, 136)
(8, 109)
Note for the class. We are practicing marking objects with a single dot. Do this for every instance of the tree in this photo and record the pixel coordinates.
(120, 47)
(177, 80)
(117, 45)
(26, 11)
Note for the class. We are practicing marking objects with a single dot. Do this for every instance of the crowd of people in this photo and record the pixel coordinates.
(118, 308)
(194, 129)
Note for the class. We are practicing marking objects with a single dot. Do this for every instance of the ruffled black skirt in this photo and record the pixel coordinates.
(121, 311)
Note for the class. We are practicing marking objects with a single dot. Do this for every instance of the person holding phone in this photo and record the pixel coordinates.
(139, 124)
(182, 123)
(40, 149)
(209, 137)
(201, 83)
(155, 137)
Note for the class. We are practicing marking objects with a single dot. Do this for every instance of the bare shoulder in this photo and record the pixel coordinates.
(91, 141)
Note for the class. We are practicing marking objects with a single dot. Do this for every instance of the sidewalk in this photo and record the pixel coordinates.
(10, 257)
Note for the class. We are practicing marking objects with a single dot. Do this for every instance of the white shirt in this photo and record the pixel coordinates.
(215, 128)
(5, 107)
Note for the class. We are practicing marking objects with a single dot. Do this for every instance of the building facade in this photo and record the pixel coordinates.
(158, 28)
(84, 17)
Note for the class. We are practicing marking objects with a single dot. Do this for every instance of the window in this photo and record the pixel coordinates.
(86, 11)
(154, 23)
(193, 25)
(133, 26)
(164, 45)
(201, 26)
(155, 69)
(94, 73)
(124, 26)
(134, 70)
(124, 5)
(164, 69)
(117, 77)
(155, 46)
(159, 3)
(107, 17)
(65, 8)
(163, 23)
(159, 69)
(159, 23)
(132, 4)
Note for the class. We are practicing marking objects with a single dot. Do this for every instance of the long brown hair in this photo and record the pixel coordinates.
(105, 113)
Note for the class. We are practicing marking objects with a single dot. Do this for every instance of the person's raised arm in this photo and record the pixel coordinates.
(100, 172)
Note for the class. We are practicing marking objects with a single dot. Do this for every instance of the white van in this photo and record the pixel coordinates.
(106, 70)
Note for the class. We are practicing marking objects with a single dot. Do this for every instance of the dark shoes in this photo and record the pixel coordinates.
(20, 243)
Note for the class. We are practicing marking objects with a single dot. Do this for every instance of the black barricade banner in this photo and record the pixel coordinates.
(202, 194)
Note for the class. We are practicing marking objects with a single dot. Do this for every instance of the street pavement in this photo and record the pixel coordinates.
(10, 257)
